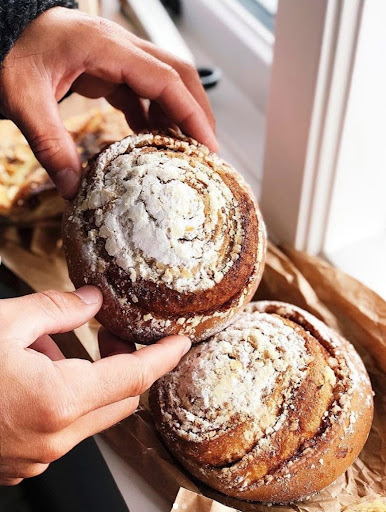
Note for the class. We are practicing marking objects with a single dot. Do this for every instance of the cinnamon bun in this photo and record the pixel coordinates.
(170, 233)
(272, 409)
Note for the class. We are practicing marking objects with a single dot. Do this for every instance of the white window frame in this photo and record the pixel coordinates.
(305, 116)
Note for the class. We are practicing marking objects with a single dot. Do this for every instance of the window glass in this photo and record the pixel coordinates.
(263, 10)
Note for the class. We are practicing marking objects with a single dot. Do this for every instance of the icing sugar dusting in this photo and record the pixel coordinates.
(217, 372)
(231, 375)
(165, 220)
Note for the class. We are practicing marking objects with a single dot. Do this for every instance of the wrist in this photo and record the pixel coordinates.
(14, 19)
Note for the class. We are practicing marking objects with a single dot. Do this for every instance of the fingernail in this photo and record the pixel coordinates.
(215, 144)
(89, 294)
(211, 142)
(187, 347)
(67, 182)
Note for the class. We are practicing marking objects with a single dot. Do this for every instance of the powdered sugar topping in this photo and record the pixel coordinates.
(230, 377)
(166, 220)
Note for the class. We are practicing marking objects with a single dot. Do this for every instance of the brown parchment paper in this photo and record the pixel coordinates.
(36, 257)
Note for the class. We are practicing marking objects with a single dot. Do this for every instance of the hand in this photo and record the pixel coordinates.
(49, 404)
(65, 49)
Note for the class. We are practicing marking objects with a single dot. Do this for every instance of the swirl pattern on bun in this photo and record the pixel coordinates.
(170, 233)
(273, 408)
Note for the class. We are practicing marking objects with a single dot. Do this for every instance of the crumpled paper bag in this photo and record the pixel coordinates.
(290, 276)
(188, 500)
(193, 502)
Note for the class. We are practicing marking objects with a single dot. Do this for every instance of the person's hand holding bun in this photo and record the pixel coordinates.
(48, 403)
(64, 49)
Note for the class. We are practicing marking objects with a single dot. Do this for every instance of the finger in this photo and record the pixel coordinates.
(38, 118)
(110, 345)
(48, 312)
(120, 376)
(129, 375)
(96, 421)
(178, 104)
(150, 78)
(20, 470)
(118, 95)
(187, 72)
(10, 481)
(92, 87)
(123, 98)
(158, 119)
(46, 345)
(49, 448)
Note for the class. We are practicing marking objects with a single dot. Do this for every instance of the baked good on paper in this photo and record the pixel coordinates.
(273, 408)
(170, 233)
(97, 129)
(27, 194)
(368, 505)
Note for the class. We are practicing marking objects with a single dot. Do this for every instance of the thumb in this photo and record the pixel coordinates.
(40, 122)
(25, 319)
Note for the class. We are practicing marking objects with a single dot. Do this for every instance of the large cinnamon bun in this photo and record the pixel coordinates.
(170, 233)
(273, 408)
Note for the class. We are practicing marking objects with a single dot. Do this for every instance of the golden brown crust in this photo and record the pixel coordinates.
(160, 299)
(290, 440)
(27, 194)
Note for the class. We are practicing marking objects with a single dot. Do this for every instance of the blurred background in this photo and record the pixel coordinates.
(299, 106)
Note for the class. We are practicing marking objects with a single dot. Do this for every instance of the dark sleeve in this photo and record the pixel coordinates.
(15, 15)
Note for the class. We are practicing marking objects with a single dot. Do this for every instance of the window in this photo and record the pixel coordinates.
(324, 165)
(263, 10)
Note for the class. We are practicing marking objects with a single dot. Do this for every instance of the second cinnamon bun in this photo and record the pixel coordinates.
(273, 408)
(170, 233)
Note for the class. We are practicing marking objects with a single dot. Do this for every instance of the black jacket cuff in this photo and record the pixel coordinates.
(15, 15)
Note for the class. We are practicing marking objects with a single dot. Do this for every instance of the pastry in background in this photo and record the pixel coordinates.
(27, 194)
(274, 408)
(97, 129)
(170, 233)
(368, 505)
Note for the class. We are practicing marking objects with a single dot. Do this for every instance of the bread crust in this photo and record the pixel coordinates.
(324, 427)
(144, 310)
